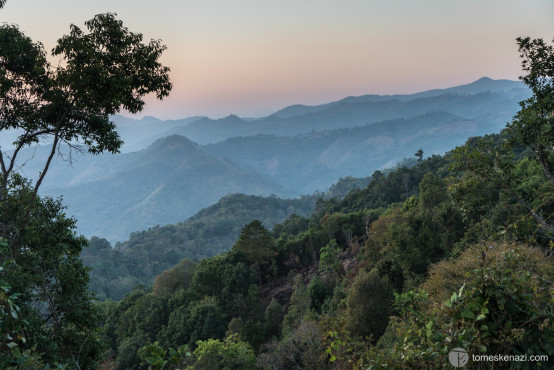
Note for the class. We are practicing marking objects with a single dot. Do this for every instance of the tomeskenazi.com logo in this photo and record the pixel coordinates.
(458, 357)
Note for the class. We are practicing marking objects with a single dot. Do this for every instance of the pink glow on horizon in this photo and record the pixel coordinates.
(251, 58)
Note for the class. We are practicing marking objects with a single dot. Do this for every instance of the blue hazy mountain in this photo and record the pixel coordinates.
(313, 161)
(490, 101)
(295, 151)
(167, 182)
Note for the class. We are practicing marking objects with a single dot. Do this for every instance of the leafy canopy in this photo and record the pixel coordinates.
(100, 72)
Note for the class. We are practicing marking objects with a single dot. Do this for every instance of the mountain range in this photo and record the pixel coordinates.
(163, 177)
(489, 101)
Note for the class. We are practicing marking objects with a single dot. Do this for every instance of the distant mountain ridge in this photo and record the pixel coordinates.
(498, 102)
(485, 99)
(166, 183)
(481, 85)
(314, 161)
(173, 177)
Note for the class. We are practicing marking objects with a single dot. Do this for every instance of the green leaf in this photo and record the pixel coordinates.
(508, 324)
(468, 314)
(481, 348)
(150, 360)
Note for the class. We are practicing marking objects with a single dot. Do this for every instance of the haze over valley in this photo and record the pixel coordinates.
(169, 170)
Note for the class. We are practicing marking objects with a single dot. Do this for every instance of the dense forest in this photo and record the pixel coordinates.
(115, 271)
(422, 260)
(452, 252)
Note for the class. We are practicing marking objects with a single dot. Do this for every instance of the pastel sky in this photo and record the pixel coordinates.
(252, 57)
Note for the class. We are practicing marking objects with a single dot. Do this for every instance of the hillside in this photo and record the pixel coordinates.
(299, 153)
(414, 259)
(493, 101)
(166, 183)
(211, 231)
(482, 85)
(314, 161)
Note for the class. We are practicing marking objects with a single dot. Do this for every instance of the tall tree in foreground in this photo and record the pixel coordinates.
(531, 129)
(57, 318)
(255, 242)
(70, 102)
(101, 72)
(532, 125)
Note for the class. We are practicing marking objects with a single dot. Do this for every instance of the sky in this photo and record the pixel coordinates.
(253, 57)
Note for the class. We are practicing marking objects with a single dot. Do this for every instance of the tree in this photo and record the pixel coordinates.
(532, 125)
(58, 316)
(100, 73)
(255, 242)
(230, 354)
(318, 292)
(299, 306)
(274, 317)
(368, 306)
(532, 128)
(419, 155)
(328, 260)
(169, 281)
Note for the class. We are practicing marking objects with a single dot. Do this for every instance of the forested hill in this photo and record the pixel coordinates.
(170, 180)
(112, 196)
(211, 231)
(314, 161)
(165, 183)
(422, 260)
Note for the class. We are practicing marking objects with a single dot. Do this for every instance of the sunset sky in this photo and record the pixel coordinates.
(252, 57)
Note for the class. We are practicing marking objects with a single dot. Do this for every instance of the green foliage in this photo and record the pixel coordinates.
(344, 351)
(530, 128)
(226, 277)
(345, 185)
(127, 350)
(12, 328)
(384, 190)
(211, 231)
(301, 348)
(328, 259)
(337, 302)
(157, 358)
(368, 306)
(178, 277)
(206, 320)
(274, 317)
(532, 125)
(231, 354)
(503, 307)
(57, 315)
(255, 244)
(300, 303)
(318, 293)
(100, 73)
